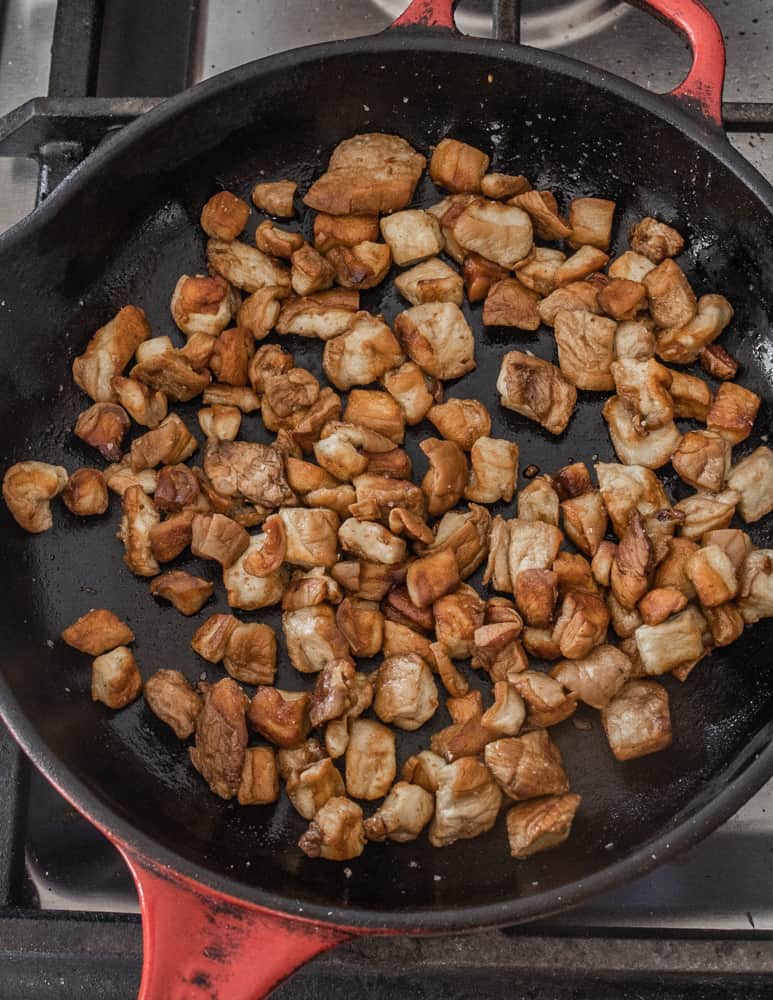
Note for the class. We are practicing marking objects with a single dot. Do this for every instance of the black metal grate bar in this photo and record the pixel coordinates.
(14, 769)
(75, 48)
(507, 20)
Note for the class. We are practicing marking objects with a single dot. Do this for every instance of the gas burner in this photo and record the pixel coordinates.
(545, 24)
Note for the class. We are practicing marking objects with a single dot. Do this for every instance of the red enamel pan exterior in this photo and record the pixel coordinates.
(202, 940)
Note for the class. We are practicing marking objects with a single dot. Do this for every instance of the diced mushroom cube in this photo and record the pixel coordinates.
(509, 303)
(370, 759)
(500, 233)
(405, 694)
(733, 412)
(752, 478)
(115, 678)
(663, 647)
(537, 390)
(169, 696)
(438, 338)
(259, 783)
(467, 802)
(458, 166)
(540, 825)
(638, 721)
(672, 301)
(527, 766)
(282, 717)
(310, 788)
(590, 220)
(336, 832)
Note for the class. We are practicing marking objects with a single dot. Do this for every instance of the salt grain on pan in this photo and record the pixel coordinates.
(365, 107)
(413, 864)
(50, 643)
(347, 873)
(203, 675)
(437, 878)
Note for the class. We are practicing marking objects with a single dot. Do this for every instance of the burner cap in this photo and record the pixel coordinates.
(545, 24)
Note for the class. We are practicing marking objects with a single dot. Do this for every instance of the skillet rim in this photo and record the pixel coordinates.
(757, 767)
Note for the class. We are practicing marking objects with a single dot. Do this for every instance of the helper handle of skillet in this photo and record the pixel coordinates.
(199, 944)
(701, 89)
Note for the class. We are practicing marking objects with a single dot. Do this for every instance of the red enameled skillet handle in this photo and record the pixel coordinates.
(201, 945)
(701, 88)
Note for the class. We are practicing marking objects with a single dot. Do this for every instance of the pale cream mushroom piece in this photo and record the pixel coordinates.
(363, 354)
(501, 233)
(630, 265)
(405, 694)
(372, 541)
(203, 305)
(637, 721)
(146, 406)
(625, 488)
(370, 761)
(591, 222)
(223, 422)
(644, 388)
(651, 449)
(310, 788)
(457, 616)
(115, 678)
(585, 348)
(437, 337)
(655, 240)
(752, 479)
(310, 272)
(467, 802)
(536, 389)
(246, 267)
(683, 340)
(538, 501)
(671, 300)
(713, 576)
(508, 713)
(755, 591)
(527, 766)
(585, 521)
(466, 533)
(413, 235)
(587, 260)
(596, 678)
(735, 543)
(259, 782)
(403, 814)
(336, 832)
(170, 697)
(431, 281)
(577, 296)
(325, 315)
(138, 516)
(168, 444)
(706, 512)
(675, 641)
(379, 496)
(362, 266)
(541, 824)
(28, 488)
(246, 591)
(313, 638)
(275, 197)
(493, 470)
(311, 536)
(154, 347)
(702, 460)
(338, 449)
(634, 340)
(538, 272)
(532, 545)
(119, 477)
(108, 352)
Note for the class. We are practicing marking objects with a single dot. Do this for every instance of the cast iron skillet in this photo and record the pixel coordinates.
(121, 229)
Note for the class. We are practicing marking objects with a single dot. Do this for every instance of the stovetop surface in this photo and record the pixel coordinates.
(725, 884)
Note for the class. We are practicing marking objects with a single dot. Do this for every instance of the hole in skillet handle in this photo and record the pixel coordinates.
(432, 14)
(199, 944)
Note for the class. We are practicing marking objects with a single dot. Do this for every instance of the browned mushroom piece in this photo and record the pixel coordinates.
(437, 337)
(541, 824)
(467, 802)
(542, 208)
(202, 305)
(217, 537)
(683, 341)
(538, 501)
(246, 267)
(546, 701)
(115, 678)
(275, 197)
(637, 721)
(446, 478)
(211, 639)
(176, 488)
(660, 603)
(457, 616)
(412, 389)
(371, 764)
(625, 488)
(510, 303)
(281, 717)
(186, 592)
(675, 641)
(655, 240)
(378, 411)
(259, 783)
(644, 386)
(536, 593)
(632, 564)
(462, 421)
(480, 275)
(98, 631)
(402, 816)
(431, 577)
(537, 390)
(361, 355)
(362, 266)
(224, 216)
(672, 301)
(584, 262)
(313, 638)
(310, 272)
(755, 591)
(633, 444)
(706, 512)
(362, 625)
(733, 412)
(590, 220)
(585, 521)
(245, 470)
(170, 697)
(718, 362)
(578, 296)
(324, 315)
(276, 242)
(713, 575)
(85, 494)
(405, 694)
(336, 832)
(108, 352)
(596, 678)
(465, 738)
(702, 460)
(172, 536)
(527, 766)
(311, 787)
(250, 653)
(412, 235)
(221, 738)
(581, 624)
(585, 348)
(497, 649)
(103, 426)
(752, 479)
(139, 516)
(458, 166)
(431, 281)
(28, 488)
(378, 496)
(343, 230)
(244, 589)
(630, 265)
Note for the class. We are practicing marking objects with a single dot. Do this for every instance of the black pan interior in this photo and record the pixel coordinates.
(125, 233)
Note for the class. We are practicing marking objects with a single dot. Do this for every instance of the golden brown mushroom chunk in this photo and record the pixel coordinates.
(581, 624)
(622, 299)
(585, 521)
(632, 443)
(591, 222)
(311, 536)
(361, 624)
(27, 489)
(542, 208)
(702, 460)
(376, 410)
(718, 362)
(431, 281)
(224, 216)
(115, 678)
(625, 488)
(480, 275)
(403, 815)
(675, 641)
(139, 516)
(671, 300)
(343, 230)
(537, 390)
(467, 802)
(244, 470)
(281, 717)
(578, 296)
(733, 412)
(457, 166)
(461, 420)
(170, 537)
(311, 787)
(177, 488)
(632, 563)
(502, 186)
(169, 696)
(246, 267)
(367, 174)
(541, 824)
(97, 631)
(713, 576)
(527, 766)
(275, 198)
(186, 592)
(313, 638)
(259, 783)
(277, 242)
(438, 338)
(532, 545)
(246, 591)
(146, 406)
(221, 738)
(538, 501)
(509, 303)
(585, 348)
(170, 372)
(535, 596)
(363, 354)
(169, 443)
(630, 265)
(413, 235)
(103, 426)
(215, 536)
(334, 694)
(405, 694)
(637, 721)
(755, 592)
(371, 764)
(752, 478)
(596, 678)
(250, 653)
(587, 260)
(371, 541)
(655, 240)
(431, 577)
(660, 603)
(704, 512)
(203, 305)
(108, 352)
(500, 233)
(336, 832)
(686, 338)
(211, 638)
(493, 470)
(86, 493)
